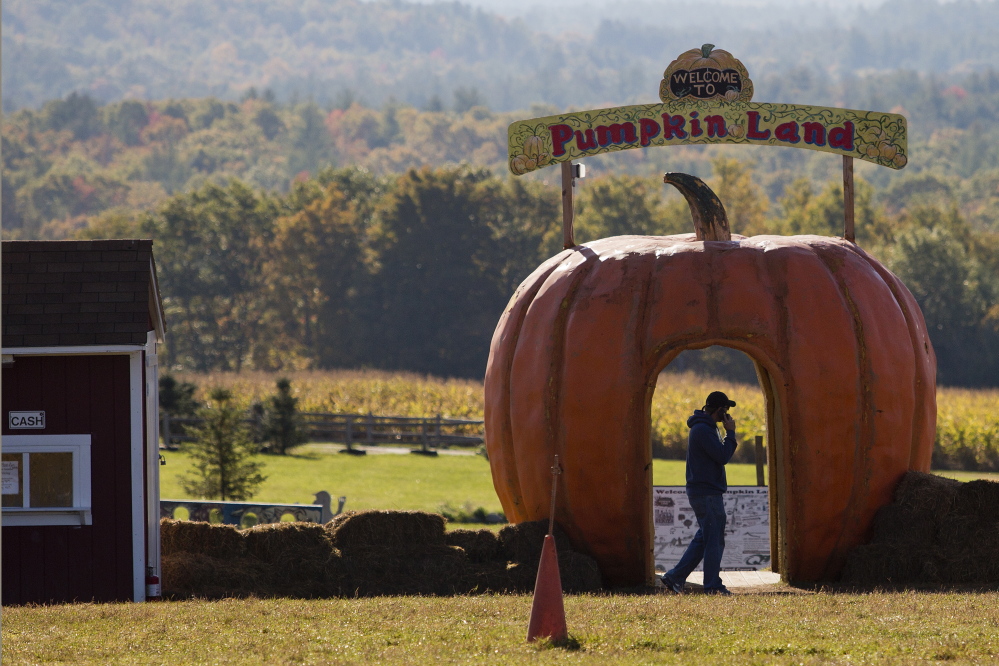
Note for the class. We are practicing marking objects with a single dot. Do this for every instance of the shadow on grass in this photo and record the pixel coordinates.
(927, 588)
(569, 644)
(306, 455)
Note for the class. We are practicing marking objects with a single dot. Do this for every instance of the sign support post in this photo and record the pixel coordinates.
(568, 177)
(848, 218)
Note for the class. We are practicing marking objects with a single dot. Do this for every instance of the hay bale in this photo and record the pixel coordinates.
(521, 577)
(938, 531)
(280, 543)
(195, 575)
(579, 573)
(489, 577)
(479, 545)
(926, 494)
(900, 524)
(397, 531)
(960, 535)
(333, 524)
(185, 536)
(969, 567)
(435, 570)
(301, 558)
(523, 542)
(978, 499)
(887, 565)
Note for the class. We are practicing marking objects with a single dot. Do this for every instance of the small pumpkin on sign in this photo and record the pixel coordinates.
(706, 73)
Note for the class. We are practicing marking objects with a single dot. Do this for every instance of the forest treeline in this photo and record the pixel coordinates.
(74, 158)
(420, 52)
(411, 271)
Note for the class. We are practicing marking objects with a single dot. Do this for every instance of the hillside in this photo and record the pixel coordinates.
(426, 55)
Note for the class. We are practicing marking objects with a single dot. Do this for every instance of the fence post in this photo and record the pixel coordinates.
(369, 425)
(760, 480)
(424, 449)
(349, 437)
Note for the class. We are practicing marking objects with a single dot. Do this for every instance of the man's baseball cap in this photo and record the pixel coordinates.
(718, 399)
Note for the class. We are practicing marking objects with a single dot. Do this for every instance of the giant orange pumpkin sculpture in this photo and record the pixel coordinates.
(840, 347)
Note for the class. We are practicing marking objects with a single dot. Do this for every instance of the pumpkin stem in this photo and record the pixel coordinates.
(710, 220)
(706, 50)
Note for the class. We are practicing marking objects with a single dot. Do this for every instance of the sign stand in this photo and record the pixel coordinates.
(547, 609)
(848, 199)
(568, 181)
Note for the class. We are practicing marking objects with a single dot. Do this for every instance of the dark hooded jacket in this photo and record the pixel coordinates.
(707, 455)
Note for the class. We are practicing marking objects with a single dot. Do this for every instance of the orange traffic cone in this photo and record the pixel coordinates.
(547, 611)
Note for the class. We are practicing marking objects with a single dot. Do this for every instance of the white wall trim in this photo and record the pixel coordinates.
(152, 456)
(136, 391)
(73, 351)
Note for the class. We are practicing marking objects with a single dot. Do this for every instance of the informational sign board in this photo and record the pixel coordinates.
(747, 529)
(11, 478)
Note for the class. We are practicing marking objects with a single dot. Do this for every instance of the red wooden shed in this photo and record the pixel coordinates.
(81, 321)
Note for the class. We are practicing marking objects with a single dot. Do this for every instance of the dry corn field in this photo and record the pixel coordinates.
(967, 420)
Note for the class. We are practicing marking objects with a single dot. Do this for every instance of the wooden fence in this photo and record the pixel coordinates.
(429, 433)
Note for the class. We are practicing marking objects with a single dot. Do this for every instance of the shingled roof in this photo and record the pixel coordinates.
(74, 293)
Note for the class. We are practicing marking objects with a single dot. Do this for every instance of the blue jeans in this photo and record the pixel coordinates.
(708, 544)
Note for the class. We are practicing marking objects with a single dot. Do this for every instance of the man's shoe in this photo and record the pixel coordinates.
(720, 591)
(671, 584)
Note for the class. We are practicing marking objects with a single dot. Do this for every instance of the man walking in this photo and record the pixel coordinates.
(707, 455)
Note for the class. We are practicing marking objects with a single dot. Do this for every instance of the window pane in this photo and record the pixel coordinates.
(13, 479)
(51, 476)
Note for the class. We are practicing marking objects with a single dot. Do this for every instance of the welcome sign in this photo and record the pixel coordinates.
(707, 104)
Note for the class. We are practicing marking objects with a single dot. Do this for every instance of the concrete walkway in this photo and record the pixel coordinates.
(733, 579)
(739, 578)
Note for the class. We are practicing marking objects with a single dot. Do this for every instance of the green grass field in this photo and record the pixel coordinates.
(775, 625)
(409, 482)
(781, 627)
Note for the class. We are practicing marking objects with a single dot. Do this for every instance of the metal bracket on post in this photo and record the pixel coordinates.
(570, 172)
(848, 218)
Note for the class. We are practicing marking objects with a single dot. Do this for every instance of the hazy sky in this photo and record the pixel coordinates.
(558, 16)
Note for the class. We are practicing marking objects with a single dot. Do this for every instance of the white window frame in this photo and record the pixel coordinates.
(80, 512)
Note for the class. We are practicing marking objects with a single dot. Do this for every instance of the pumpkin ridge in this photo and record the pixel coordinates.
(642, 399)
(613, 264)
(899, 291)
(866, 433)
(522, 299)
(776, 272)
(712, 329)
(553, 394)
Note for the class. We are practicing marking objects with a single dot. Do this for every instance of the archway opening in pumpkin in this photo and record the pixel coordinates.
(682, 387)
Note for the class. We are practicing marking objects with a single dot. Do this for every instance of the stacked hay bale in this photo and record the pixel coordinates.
(208, 561)
(366, 553)
(937, 531)
(397, 552)
(521, 545)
